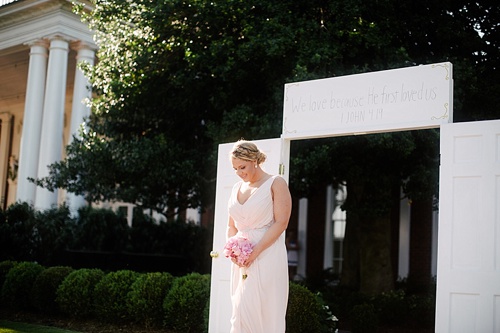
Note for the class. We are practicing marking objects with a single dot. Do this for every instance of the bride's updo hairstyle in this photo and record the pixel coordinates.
(248, 151)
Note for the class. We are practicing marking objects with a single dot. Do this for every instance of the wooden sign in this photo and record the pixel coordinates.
(392, 100)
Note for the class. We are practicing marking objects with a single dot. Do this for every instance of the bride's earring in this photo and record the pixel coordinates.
(255, 166)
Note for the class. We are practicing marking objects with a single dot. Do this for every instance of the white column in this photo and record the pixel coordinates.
(32, 122)
(79, 111)
(5, 134)
(53, 118)
(328, 250)
(302, 238)
(404, 237)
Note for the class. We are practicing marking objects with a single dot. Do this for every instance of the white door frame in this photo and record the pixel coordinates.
(292, 130)
(468, 276)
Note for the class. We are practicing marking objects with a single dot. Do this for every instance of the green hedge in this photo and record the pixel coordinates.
(17, 289)
(364, 318)
(54, 238)
(145, 300)
(186, 303)
(180, 304)
(304, 312)
(75, 295)
(111, 295)
(17, 233)
(5, 267)
(45, 288)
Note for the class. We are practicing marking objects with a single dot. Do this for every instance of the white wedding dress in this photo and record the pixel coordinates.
(259, 301)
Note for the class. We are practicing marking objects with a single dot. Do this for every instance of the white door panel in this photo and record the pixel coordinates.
(220, 301)
(468, 289)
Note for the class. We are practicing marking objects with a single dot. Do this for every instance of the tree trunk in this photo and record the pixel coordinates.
(367, 264)
(316, 233)
(420, 274)
(375, 265)
(349, 277)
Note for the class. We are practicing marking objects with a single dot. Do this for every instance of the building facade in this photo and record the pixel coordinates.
(42, 94)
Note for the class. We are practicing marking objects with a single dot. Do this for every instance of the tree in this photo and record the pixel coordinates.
(373, 168)
(168, 72)
(176, 78)
(373, 176)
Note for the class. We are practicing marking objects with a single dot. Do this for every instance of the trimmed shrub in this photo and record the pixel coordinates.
(206, 315)
(364, 319)
(45, 288)
(145, 300)
(75, 295)
(392, 307)
(18, 286)
(185, 303)
(422, 311)
(303, 311)
(5, 267)
(111, 295)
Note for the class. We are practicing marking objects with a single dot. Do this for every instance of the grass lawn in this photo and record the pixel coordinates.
(15, 327)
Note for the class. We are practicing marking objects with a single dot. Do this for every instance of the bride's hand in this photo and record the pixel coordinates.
(237, 263)
(250, 260)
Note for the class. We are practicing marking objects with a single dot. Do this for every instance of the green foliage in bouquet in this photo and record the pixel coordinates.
(111, 295)
(18, 286)
(75, 295)
(185, 303)
(45, 288)
(145, 300)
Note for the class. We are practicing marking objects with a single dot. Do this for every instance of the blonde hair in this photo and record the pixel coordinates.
(248, 151)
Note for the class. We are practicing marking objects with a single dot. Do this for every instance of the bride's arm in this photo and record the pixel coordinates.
(282, 208)
(231, 228)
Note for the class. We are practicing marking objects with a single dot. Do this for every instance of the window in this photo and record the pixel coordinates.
(339, 223)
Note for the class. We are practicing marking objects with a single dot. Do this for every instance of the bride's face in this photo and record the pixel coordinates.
(244, 169)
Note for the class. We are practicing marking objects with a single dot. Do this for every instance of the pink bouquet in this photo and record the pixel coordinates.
(239, 248)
